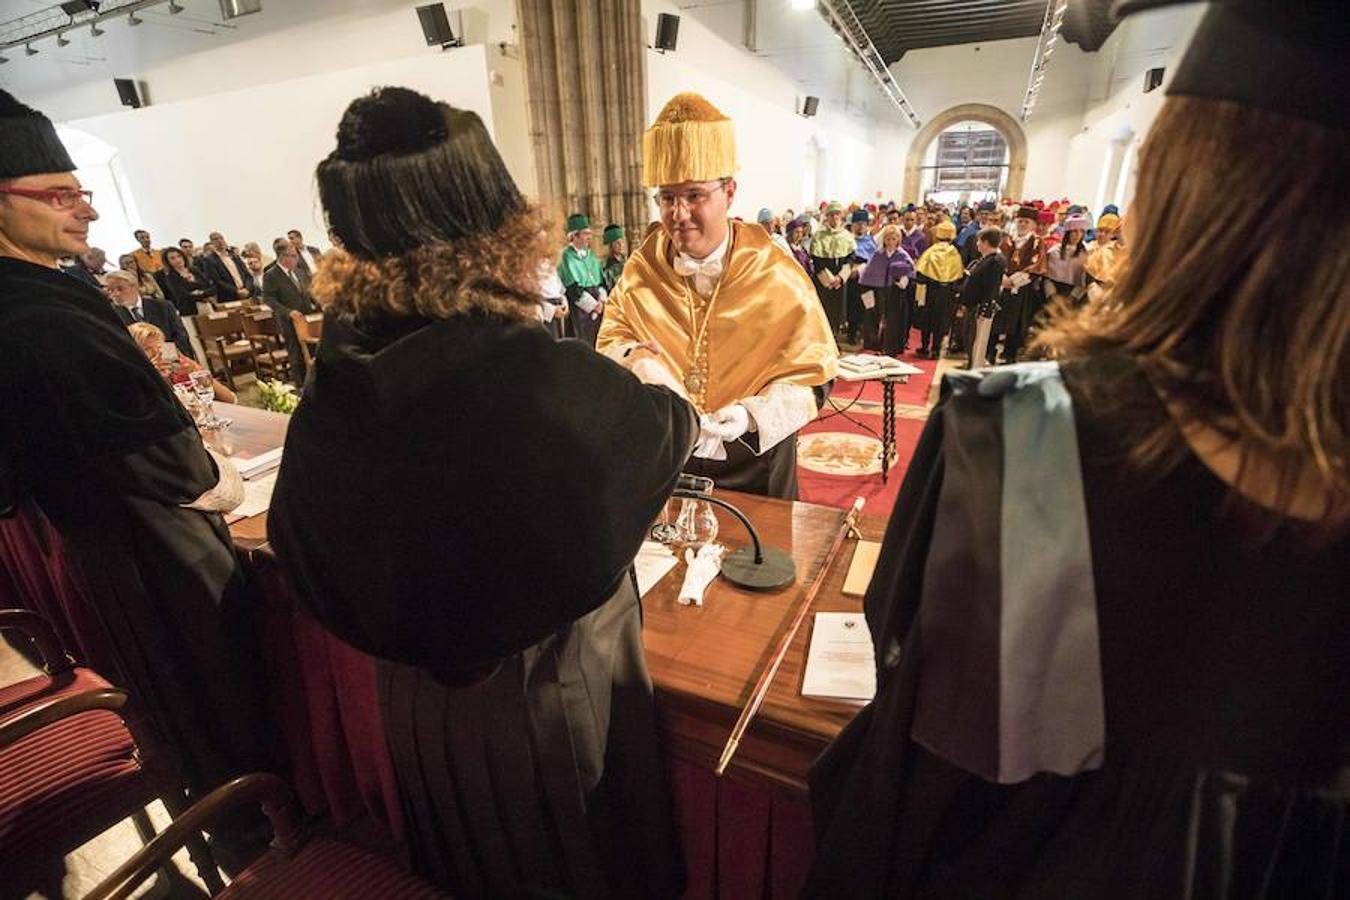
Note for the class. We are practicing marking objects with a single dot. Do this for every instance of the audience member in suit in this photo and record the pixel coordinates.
(309, 256)
(131, 307)
(286, 288)
(184, 284)
(89, 267)
(227, 270)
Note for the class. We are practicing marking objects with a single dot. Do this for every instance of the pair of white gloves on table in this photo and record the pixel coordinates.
(718, 428)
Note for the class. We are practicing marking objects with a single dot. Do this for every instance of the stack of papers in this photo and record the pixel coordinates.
(840, 664)
(254, 466)
(863, 366)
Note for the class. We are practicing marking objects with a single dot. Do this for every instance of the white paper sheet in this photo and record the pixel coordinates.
(257, 498)
(839, 663)
(869, 299)
(653, 561)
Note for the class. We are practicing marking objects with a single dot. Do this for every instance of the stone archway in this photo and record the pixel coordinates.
(969, 112)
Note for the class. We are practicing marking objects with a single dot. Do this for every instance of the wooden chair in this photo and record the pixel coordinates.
(227, 347)
(269, 347)
(296, 866)
(308, 328)
(71, 767)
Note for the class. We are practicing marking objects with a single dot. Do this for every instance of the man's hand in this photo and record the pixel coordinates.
(730, 422)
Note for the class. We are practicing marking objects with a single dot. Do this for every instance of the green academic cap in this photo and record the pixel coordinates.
(612, 233)
(576, 222)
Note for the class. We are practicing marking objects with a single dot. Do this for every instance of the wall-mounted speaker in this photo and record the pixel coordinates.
(127, 92)
(76, 7)
(667, 32)
(1153, 79)
(436, 26)
(809, 106)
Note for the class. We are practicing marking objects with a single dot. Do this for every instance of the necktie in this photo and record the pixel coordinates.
(136, 314)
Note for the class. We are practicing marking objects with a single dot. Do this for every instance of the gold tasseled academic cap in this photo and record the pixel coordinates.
(691, 140)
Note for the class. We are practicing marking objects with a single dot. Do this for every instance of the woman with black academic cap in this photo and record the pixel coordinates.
(445, 504)
(1112, 612)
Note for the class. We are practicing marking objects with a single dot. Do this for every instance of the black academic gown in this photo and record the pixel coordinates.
(1222, 662)
(429, 510)
(92, 436)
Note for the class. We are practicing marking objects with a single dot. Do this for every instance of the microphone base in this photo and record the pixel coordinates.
(777, 570)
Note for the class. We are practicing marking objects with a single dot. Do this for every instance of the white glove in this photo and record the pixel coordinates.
(709, 444)
(703, 568)
(903, 282)
(732, 421)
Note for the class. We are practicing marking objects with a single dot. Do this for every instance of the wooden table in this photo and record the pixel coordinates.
(704, 661)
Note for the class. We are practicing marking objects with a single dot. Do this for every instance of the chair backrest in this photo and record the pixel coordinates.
(260, 324)
(226, 325)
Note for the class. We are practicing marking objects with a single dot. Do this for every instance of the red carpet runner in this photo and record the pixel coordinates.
(838, 460)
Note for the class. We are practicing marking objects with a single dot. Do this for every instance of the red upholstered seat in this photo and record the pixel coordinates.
(16, 697)
(331, 871)
(54, 782)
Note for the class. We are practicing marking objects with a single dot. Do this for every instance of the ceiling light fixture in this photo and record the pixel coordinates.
(3, 60)
(1045, 46)
(95, 30)
(174, 8)
(30, 50)
(845, 22)
(132, 20)
(62, 40)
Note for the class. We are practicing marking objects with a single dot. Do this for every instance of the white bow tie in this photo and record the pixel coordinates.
(686, 266)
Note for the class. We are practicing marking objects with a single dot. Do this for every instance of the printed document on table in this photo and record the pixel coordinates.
(839, 663)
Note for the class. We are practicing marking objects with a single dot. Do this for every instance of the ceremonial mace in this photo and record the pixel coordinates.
(847, 527)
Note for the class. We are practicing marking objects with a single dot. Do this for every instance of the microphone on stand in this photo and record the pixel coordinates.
(755, 568)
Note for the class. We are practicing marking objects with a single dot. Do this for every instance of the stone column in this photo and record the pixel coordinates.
(586, 88)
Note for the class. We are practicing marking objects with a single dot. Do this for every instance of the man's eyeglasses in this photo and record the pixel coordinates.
(58, 198)
(691, 199)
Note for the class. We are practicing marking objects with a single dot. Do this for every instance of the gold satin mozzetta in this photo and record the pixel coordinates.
(766, 326)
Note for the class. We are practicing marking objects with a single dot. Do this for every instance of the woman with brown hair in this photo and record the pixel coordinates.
(445, 504)
(1111, 616)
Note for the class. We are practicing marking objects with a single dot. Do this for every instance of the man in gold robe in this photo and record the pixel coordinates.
(713, 306)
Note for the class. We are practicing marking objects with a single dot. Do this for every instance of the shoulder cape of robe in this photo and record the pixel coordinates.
(577, 270)
(444, 500)
(767, 324)
(941, 262)
(93, 435)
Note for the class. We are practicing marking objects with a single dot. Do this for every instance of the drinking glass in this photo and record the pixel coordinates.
(205, 389)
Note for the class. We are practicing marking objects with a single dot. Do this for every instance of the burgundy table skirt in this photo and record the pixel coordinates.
(740, 841)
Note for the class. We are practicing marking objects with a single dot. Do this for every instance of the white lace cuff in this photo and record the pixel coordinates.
(228, 491)
(779, 411)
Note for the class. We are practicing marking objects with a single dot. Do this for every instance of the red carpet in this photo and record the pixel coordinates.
(838, 460)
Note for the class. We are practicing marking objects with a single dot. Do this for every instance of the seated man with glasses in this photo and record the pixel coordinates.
(94, 444)
(715, 306)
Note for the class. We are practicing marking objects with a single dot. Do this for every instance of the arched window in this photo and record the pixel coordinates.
(967, 163)
(99, 170)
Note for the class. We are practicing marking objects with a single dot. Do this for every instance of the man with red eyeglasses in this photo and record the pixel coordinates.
(94, 444)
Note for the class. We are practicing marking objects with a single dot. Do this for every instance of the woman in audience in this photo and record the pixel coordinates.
(886, 276)
(174, 366)
(183, 285)
(798, 231)
(148, 285)
(1111, 614)
(445, 504)
(1065, 276)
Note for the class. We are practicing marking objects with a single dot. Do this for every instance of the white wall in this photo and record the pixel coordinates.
(1119, 113)
(242, 161)
(771, 138)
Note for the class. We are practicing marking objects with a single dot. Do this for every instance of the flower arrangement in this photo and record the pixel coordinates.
(278, 396)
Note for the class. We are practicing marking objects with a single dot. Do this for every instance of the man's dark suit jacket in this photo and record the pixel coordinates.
(78, 270)
(283, 295)
(163, 316)
(314, 252)
(220, 276)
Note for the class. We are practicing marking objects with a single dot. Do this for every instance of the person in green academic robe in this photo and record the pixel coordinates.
(583, 279)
